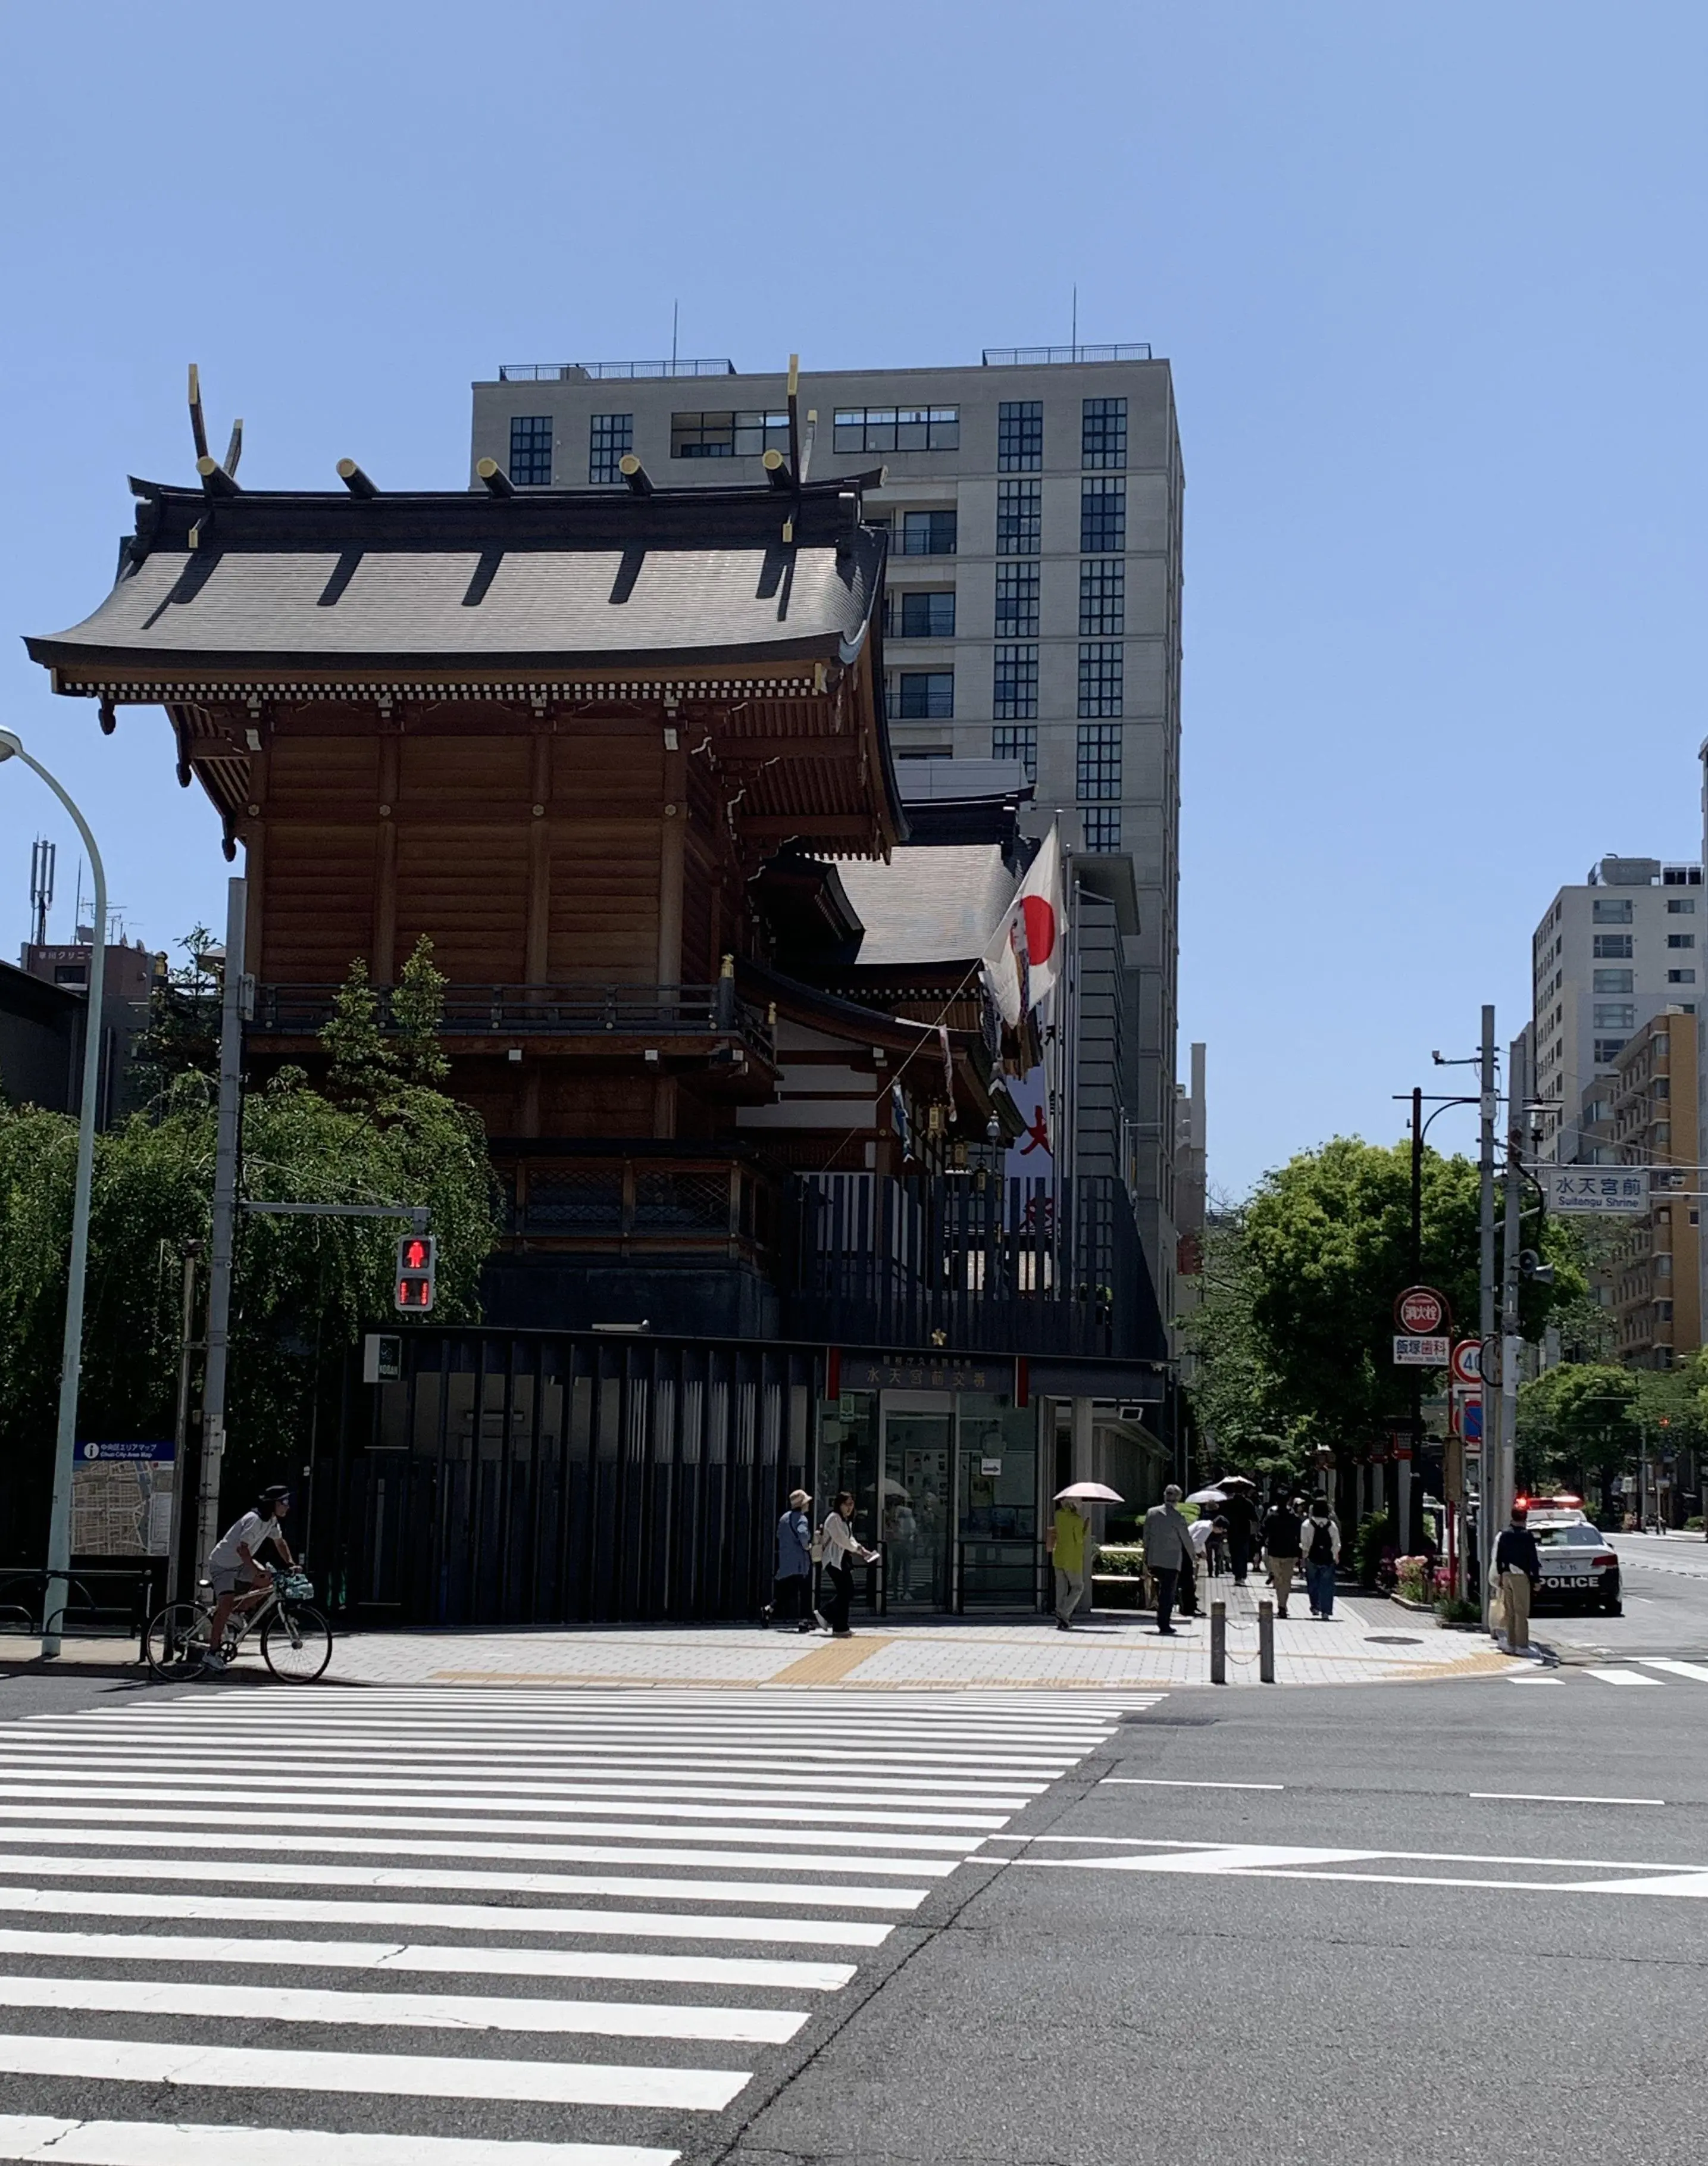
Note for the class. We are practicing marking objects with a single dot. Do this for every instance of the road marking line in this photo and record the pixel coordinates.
(407, 2010)
(1548, 1798)
(227, 1951)
(1161, 1782)
(243, 1874)
(452, 1917)
(1618, 1677)
(1696, 1671)
(397, 2075)
(32, 2137)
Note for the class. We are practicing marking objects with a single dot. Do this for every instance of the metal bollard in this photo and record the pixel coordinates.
(1266, 1642)
(1218, 1643)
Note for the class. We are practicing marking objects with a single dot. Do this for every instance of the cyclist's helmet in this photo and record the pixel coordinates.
(279, 1493)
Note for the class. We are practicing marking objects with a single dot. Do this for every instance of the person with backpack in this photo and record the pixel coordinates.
(1283, 1533)
(792, 1592)
(1322, 1553)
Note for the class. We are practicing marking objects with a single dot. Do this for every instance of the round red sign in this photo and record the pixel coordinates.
(1421, 1312)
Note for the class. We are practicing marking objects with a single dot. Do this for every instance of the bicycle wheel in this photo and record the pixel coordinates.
(295, 1644)
(177, 1639)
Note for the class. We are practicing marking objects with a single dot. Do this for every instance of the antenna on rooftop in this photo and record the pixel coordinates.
(42, 855)
(1076, 322)
(675, 318)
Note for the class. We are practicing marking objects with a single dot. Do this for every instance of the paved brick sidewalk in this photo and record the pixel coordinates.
(1366, 1641)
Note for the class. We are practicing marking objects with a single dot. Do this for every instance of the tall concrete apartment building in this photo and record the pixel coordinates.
(1625, 946)
(1034, 504)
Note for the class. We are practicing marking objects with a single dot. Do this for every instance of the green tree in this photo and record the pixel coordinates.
(361, 1069)
(1579, 1423)
(418, 1010)
(181, 1035)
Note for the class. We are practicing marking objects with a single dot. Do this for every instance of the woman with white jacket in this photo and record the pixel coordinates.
(841, 1551)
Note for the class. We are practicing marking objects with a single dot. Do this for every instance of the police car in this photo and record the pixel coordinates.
(1578, 1565)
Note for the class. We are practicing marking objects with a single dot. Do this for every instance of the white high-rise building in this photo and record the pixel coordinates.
(1626, 945)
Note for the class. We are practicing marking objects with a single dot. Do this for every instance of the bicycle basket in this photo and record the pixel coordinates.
(296, 1585)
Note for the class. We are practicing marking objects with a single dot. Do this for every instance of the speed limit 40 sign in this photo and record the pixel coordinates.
(1467, 1361)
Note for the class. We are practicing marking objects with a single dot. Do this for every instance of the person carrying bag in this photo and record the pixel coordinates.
(842, 1551)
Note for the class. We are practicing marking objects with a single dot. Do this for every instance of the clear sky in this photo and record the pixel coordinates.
(1432, 280)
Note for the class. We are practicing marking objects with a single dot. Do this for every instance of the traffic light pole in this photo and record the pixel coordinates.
(222, 1246)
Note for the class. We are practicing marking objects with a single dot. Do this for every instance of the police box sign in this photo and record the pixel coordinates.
(1577, 1191)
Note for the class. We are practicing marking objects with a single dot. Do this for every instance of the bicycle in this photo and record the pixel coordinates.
(296, 1641)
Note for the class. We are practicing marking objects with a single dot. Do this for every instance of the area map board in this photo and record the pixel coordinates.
(122, 1499)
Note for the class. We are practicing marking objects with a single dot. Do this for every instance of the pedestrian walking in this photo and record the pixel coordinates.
(792, 1591)
(1168, 1552)
(1215, 1549)
(842, 1550)
(1282, 1546)
(1067, 1542)
(1518, 1568)
(1322, 1538)
(1240, 1515)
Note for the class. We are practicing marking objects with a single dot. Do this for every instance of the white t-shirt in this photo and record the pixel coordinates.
(1199, 1533)
(252, 1531)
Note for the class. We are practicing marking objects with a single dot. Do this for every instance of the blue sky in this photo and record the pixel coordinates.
(1431, 280)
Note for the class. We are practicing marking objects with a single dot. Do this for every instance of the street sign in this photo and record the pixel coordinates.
(1421, 1353)
(1422, 1311)
(1467, 1361)
(1576, 1191)
(382, 1358)
(1471, 1422)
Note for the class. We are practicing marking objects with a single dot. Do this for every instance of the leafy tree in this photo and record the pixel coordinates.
(181, 1035)
(1578, 1423)
(418, 1009)
(361, 1069)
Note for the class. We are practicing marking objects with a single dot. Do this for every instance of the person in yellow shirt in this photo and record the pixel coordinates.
(1070, 1552)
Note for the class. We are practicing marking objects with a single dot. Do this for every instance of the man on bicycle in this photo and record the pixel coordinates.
(239, 1584)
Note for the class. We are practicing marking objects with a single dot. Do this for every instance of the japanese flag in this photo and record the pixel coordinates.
(1023, 958)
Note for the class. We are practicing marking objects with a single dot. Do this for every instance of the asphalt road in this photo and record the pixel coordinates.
(1665, 1583)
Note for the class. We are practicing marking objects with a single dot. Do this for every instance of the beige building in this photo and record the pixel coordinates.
(1034, 504)
(1655, 1269)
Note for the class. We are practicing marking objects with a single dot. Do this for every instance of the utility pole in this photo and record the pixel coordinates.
(224, 1218)
(1503, 1472)
(1485, 1227)
(1410, 1477)
(181, 1427)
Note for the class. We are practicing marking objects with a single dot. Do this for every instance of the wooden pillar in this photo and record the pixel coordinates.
(536, 962)
(383, 965)
(671, 852)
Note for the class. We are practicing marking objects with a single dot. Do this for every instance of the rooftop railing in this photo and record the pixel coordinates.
(1043, 357)
(563, 1011)
(566, 372)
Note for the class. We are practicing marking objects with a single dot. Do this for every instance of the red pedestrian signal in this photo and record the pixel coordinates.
(412, 1284)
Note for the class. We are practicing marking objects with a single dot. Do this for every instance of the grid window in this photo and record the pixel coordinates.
(927, 695)
(1103, 598)
(1020, 518)
(1608, 1050)
(1608, 911)
(926, 615)
(1681, 977)
(1103, 517)
(1015, 695)
(1685, 907)
(1020, 436)
(1614, 981)
(1021, 744)
(1100, 675)
(1616, 1015)
(898, 428)
(530, 451)
(928, 534)
(1102, 824)
(1016, 601)
(1612, 946)
(610, 438)
(727, 434)
(1098, 775)
(1681, 940)
(1103, 432)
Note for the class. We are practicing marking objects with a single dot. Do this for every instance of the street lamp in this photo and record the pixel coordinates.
(59, 1531)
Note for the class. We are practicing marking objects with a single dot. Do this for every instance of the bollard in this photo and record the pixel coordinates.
(1266, 1643)
(1218, 1643)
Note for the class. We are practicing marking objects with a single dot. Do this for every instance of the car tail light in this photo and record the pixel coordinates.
(1600, 1562)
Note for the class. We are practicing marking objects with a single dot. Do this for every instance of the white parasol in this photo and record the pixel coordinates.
(1207, 1497)
(1090, 1492)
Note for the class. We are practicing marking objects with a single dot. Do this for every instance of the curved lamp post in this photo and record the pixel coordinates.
(59, 1535)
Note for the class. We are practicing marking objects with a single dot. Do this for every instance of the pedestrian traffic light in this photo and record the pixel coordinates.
(413, 1286)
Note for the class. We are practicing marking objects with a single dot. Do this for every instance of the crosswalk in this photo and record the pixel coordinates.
(466, 1928)
(1636, 1671)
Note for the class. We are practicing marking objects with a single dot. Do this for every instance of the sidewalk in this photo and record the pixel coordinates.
(1367, 1641)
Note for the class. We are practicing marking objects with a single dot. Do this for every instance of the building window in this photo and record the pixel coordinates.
(610, 438)
(1681, 977)
(1020, 436)
(1610, 944)
(1103, 598)
(1100, 674)
(1015, 692)
(530, 451)
(928, 534)
(1017, 744)
(1608, 1050)
(927, 695)
(1614, 981)
(1681, 905)
(898, 428)
(1098, 775)
(1020, 518)
(728, 435)
(1610, 1015)
(1103, 432)
(1102, 828)
(1681, 940)
(1016, 601)
(1607, 911)
(926, 615)
(1103, 517)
